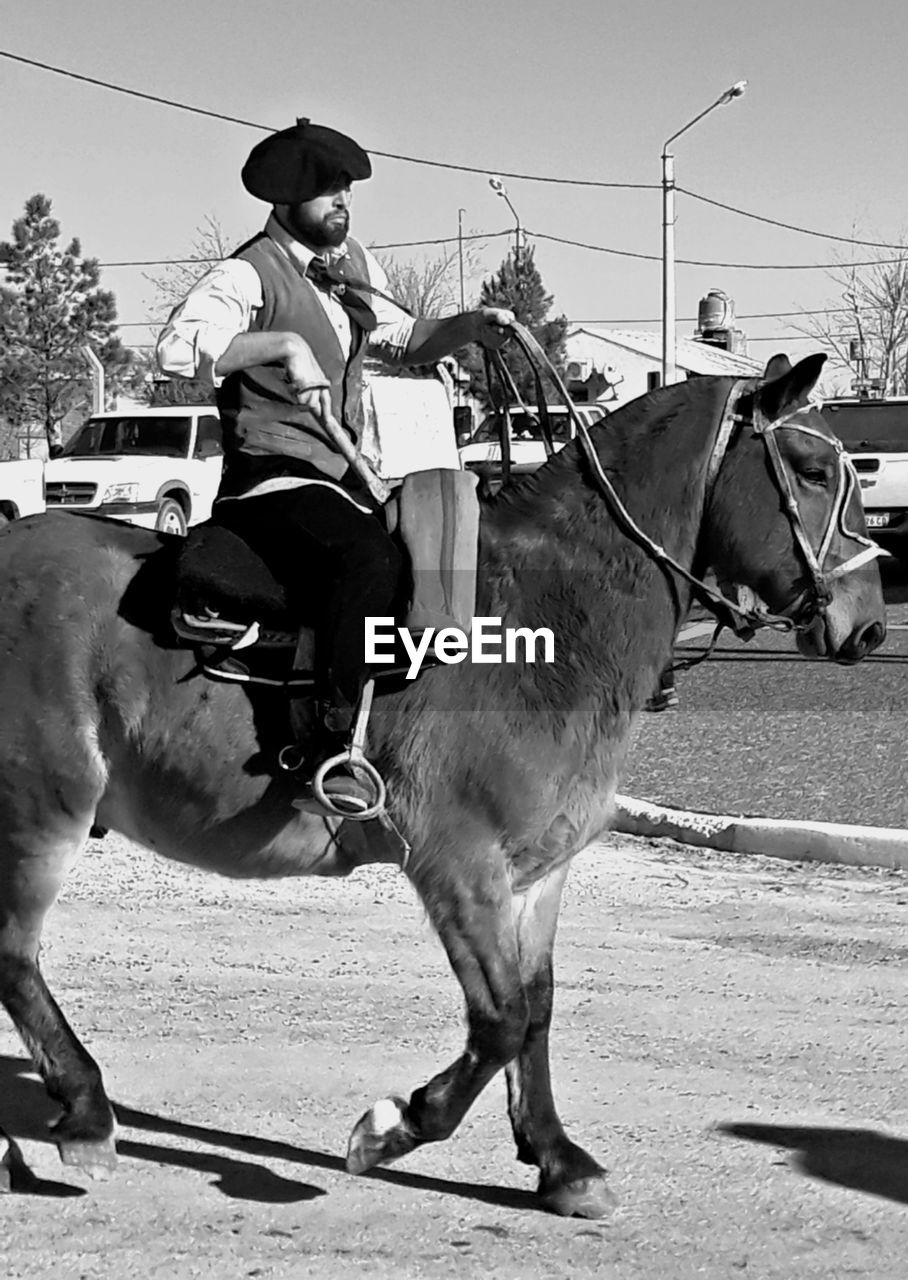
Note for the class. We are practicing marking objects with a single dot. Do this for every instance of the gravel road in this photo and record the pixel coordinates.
(762, 731)
(243, 1028)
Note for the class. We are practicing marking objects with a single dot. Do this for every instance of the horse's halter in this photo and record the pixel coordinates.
(817, 596)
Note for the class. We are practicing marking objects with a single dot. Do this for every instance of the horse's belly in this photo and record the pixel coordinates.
(248, 846)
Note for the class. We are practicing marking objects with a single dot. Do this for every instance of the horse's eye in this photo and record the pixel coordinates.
(814, 475)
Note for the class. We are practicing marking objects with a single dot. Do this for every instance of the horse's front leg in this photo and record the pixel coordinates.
(469, 902)
(570, 1180)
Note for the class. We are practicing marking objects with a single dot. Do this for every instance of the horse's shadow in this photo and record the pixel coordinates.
(26, 1111)
(860, 1159)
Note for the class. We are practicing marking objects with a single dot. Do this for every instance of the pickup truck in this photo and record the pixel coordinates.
(482, 451)
(21, 488)
(875, 433)
(157, 467)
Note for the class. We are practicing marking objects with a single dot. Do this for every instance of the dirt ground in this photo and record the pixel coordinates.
(243, 1028)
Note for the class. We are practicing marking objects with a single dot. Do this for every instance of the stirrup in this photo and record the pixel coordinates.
(354, 759)
(353, 808)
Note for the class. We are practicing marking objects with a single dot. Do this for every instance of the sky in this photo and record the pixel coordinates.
(582, 90)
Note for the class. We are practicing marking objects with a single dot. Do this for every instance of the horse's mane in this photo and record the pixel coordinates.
(632, 433)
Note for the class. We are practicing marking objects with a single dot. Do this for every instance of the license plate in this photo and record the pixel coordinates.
(877, 520)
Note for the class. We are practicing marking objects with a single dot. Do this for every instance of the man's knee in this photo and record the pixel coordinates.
(374, 554)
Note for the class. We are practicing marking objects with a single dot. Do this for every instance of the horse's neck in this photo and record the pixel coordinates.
(558, 521)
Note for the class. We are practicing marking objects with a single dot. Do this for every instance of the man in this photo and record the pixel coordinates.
(282, 340)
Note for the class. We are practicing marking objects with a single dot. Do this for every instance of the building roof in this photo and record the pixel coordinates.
(693, 357)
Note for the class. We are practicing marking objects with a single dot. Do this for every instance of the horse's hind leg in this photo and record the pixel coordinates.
(31, 872)
(570, 1180)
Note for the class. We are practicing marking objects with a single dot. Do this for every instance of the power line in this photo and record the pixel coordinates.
(728, 266)
(266, 128)
(402, 244)
(441, 164)
(787, 226)
(617, 324)
(583, 182)
(753, 315)
(542, 235)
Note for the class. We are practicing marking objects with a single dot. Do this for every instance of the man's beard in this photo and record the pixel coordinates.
(328, 232)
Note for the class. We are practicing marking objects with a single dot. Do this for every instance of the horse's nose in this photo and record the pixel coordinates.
(873, 636)
(863, 641)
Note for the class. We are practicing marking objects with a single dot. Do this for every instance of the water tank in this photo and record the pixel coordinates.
(716, 311)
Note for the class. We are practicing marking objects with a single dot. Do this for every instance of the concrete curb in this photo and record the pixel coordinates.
(797, 841)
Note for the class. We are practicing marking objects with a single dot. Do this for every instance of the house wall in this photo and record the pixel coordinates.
(630, 379)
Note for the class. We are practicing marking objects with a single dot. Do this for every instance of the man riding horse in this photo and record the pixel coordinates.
(280, 330)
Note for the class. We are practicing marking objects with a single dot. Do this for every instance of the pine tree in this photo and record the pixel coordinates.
(51, 307)
(518, 286)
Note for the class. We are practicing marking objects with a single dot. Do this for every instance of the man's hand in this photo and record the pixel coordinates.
(493, 326)
(307, 379)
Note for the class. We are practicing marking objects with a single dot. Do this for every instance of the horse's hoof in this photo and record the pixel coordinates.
(585, 1198)
(10, 1158)
(380, 1136)
(96, 1158)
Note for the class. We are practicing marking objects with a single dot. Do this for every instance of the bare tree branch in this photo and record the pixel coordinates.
(173, 282)
(868, 330)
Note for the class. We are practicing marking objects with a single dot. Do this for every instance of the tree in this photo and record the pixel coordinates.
(868, 331)
(518, 286)
(171, 285)
(51, 307)
(176, 279)
(430, 287)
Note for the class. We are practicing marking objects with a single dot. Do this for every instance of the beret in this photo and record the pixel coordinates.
(301, 163)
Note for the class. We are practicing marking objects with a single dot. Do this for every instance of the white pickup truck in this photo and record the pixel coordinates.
(875, 433)
(482, 451)
(21, 488)
(158, 467)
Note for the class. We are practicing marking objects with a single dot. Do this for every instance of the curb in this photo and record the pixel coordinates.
(776, 838)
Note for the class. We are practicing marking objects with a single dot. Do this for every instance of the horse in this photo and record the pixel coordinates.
(498, 774)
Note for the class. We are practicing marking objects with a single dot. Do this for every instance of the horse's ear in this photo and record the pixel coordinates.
(791, 389)
(776, 366)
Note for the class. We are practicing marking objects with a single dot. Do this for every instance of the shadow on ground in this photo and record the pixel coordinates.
(857, 1158)
(26, 1112)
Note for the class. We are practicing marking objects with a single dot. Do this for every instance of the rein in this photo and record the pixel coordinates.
(744, 622)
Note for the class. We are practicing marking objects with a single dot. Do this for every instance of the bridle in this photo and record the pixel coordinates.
(814, 600)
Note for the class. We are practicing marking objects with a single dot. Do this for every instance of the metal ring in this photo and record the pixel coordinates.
(288, 755)
(362, 765)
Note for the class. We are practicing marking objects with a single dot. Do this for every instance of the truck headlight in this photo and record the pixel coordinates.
(121, 493)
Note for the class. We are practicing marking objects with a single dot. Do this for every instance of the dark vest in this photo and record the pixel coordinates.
(263, 426)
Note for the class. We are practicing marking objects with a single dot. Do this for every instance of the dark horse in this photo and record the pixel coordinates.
(498, 774)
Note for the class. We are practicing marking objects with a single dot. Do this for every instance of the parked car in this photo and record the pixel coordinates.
(875, 433)
(21, 488)
(159, 467)
(482, 452)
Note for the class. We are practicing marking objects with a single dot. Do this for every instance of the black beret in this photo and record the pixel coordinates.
(301, 163)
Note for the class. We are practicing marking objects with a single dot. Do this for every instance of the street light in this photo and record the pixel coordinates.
(668, 234)
(501, 190)
(460, 213)
(463, 305)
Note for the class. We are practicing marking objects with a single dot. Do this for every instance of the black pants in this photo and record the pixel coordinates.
(337, 565)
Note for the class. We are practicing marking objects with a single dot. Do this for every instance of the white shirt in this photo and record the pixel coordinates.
(224, 302)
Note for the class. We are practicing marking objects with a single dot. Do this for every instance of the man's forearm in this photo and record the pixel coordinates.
(249, 349)
(432, 340)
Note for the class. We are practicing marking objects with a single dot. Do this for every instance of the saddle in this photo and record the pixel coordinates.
(235, 613)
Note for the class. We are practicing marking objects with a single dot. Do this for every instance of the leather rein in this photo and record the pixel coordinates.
(744, 621)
